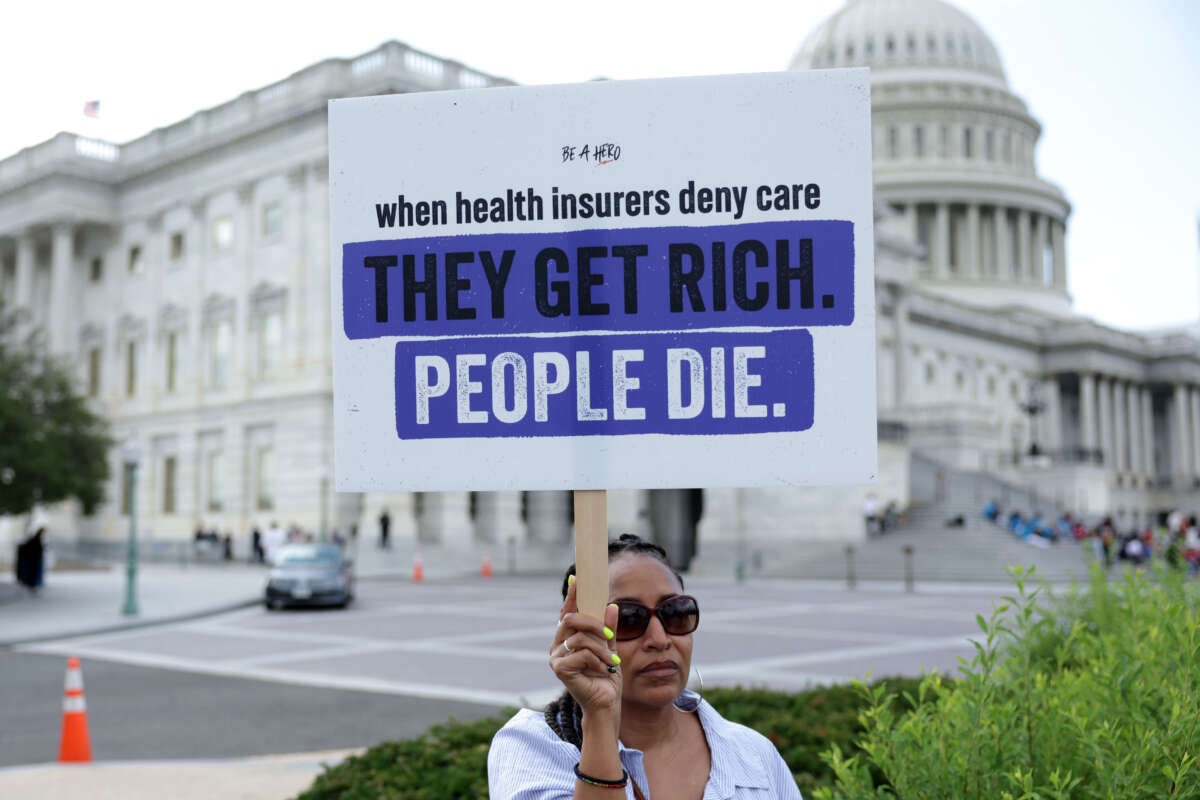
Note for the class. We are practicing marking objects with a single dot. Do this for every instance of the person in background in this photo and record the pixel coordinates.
(256, 545)
(871, 515)
(273, 539)
(31, 555)
(889, 516)
(1107, 537)
(385, 526)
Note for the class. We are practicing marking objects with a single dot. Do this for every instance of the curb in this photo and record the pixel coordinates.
(316, 756)
(133, 624)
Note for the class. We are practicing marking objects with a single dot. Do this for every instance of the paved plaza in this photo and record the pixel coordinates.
(485, 641)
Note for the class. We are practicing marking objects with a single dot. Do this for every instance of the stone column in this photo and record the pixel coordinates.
(59, 319)
(1104, 417)
(191, 361)
(1058, 242)
(940, 243)
(972, 264)
(628, 511)
(1024, 267)
(1120, 417)
(900, 346)
(498, 517)
(1039, 249)
(245, 327)
(23, 288)
(294, 231)
(1004, 268)
(1087, 412)
(1052, 427)
(547, 515)
(402, 519)
(1181, 444)
(1147, 404)
(445, 518)
(317, 311)
(907, 217)
(1137, 464)
(1194, 397)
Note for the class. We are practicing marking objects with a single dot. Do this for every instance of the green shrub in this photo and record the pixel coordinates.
(803, 725)
(1092, 698)
(447, 761)
(450, 760)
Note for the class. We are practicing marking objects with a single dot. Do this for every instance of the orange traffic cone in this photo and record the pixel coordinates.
(486, 570)
(418, 569)
(75, 745)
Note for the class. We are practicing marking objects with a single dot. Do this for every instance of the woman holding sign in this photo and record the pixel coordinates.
(626, 726)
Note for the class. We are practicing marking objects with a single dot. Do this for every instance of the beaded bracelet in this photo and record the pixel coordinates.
(603, 784)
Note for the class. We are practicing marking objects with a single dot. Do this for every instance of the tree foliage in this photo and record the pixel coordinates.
(52, 446)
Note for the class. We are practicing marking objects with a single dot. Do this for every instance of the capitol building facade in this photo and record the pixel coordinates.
(185, 277)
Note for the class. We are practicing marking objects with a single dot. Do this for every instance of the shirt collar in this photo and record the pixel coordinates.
(731, 766)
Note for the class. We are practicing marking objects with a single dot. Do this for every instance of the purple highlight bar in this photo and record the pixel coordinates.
(760, 274)
(712, 383)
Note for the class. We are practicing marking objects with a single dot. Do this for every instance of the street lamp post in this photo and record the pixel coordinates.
(131, 453)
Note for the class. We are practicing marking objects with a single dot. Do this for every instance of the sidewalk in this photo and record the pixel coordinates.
(258, 778)
(90, 601)
(73, 603)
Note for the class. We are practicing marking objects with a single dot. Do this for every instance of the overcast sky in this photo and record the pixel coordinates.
(1115, 84)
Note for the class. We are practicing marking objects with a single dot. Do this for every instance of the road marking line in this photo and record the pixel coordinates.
(315, 679)
(308, 655)
(845, 653)
(792, 631)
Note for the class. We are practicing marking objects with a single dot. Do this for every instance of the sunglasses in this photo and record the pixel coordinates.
(679, 615)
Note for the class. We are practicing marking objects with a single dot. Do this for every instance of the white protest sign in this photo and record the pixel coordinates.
(618, 284)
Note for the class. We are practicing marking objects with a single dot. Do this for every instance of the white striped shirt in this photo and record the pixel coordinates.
(527, 761)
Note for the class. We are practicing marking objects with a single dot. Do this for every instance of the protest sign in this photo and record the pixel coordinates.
(634, 284)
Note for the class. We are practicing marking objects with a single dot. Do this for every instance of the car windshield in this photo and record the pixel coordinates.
(310, 557)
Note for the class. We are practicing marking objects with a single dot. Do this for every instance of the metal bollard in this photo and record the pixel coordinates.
(908, 568)
(850, 578)
(512, 555)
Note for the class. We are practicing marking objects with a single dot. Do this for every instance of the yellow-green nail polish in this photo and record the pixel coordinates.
(616, 659)
(608, 634)
(571, 581)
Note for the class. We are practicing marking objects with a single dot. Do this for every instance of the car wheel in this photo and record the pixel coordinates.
(273, 605)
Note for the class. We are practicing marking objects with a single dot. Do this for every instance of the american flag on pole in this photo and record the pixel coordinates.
(91, 109)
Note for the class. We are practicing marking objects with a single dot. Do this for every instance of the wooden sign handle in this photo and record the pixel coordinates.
(591, 551)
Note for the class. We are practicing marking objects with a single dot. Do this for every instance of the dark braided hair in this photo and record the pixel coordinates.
(564, 715)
